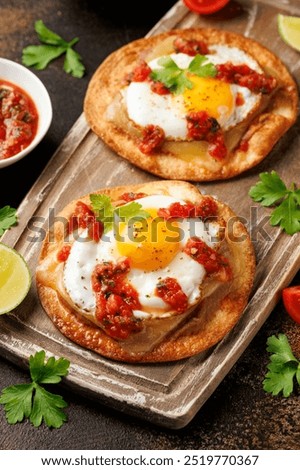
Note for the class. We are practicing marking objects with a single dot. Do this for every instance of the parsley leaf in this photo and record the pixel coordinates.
(103, 208)
(287, 215)
(270, 191)
(201, 67)
(283, 367)
(101, 203)
(33, 401)
(8, 218)
(40, 56)
(50, 372)
(47, 36)
(175, 78)
(73, 63)
(133, 210)
(47, 406)
(17, 400)
(171, 75)
(53, 47)
(106, 212)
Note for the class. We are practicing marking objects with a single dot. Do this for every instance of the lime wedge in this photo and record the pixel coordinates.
(15, 279)
(289, 30)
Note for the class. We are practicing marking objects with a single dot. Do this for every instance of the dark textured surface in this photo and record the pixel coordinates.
(239, 415)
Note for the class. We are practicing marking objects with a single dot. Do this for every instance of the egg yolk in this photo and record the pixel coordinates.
(210, 95)
(151, 243)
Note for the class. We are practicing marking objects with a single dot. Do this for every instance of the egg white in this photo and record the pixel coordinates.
(85, 254)
(145, 107)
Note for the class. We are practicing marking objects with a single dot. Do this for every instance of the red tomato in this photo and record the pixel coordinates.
(205, 7)
(63, 254)
(152, 140)
(291, 301)
(170, 291)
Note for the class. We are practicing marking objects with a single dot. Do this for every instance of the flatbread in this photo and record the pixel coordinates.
(183, 160)
(212, 319)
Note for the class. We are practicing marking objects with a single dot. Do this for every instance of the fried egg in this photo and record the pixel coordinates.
(230, 104)
(154, 247)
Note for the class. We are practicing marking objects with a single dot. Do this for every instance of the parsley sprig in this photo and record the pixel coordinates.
(8, 218)
(106, 212)
(283, 369)
(53, 47)
(31, 400)
(176, 79)
(272, 191)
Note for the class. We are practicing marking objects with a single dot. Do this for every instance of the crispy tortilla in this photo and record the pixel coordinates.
(186, 160)
(209, 322)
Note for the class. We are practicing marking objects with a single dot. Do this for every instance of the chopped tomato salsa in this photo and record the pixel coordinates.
(207, 207)
(243, 75)
(140, 73)
(115, 299)
(170, 291)
(244, 145)
(63, 254)
(18, 119)
(201, 126)
(159, 88)
(128, 197)
(212, 261)
(83, 217)
(217, 148)
(190, 46)
(95, 230)
(152, 139)
(239, 100)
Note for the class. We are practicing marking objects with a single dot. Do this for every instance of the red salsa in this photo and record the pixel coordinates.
(244, 145)
(190, 47)
(152, 139)
(159, 88)
(63, 253)
(129, 197)
(201, 126)
(83, 217)
(239, 100)
(211, 260)
(115, 299)
(170, 291)
(204, 209)
(245, 76)
(140, 73)
(18, 119)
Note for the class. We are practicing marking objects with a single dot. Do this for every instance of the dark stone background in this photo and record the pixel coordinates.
(239, 415)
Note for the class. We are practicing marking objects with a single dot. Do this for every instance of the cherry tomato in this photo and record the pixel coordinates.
(291, 302)
(205, 7)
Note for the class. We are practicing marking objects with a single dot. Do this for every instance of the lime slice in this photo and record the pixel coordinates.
(289, 30)
(15, 279)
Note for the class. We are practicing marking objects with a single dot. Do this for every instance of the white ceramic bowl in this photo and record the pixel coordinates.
(24, 78)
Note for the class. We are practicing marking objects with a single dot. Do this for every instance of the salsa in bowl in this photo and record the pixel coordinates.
(25, 111)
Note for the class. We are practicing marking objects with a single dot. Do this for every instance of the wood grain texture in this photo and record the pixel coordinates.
(167, 394)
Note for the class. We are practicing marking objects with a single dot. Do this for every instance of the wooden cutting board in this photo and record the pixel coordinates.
(167, 394)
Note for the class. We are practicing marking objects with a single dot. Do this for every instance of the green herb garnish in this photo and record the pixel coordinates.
(176, 79)
(33, 401)
(283, 368)
(53, 46)
(106, 212)
(271, 191)
(133, 210)
(8, 218)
